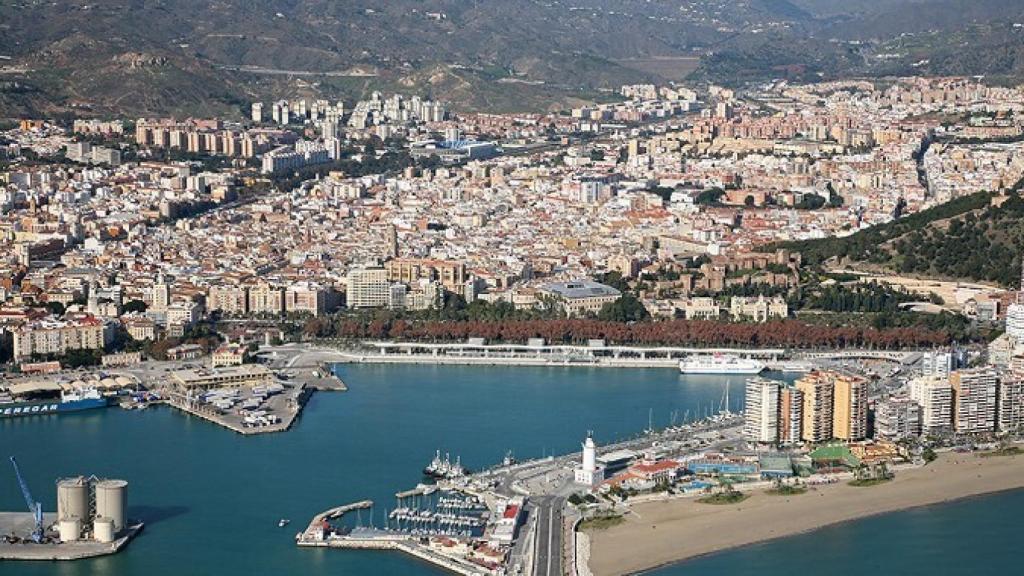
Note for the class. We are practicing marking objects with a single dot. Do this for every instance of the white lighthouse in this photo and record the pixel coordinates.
(589, 473)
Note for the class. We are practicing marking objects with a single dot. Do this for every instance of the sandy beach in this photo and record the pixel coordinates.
(659, 533)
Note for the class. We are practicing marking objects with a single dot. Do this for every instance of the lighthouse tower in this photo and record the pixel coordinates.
(589, 453)
(589, 473)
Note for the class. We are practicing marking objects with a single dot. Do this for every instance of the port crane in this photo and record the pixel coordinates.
(34, 507)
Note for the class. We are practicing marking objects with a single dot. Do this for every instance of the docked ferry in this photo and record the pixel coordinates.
(68, 402)
(719, 364)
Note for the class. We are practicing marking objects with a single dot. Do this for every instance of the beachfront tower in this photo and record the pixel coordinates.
(589, 473)
(761, 415)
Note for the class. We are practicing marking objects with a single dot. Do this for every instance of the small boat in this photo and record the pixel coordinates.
(283, 522)
(509, 459)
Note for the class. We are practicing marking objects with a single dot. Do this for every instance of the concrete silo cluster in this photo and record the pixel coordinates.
(91, 509)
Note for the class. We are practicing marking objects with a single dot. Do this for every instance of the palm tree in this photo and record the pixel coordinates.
(881, 471)
(860, 472)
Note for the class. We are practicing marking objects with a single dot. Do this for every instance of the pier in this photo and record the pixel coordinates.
(401, 544)
(420, 490)
(435, 546)
(286, 406)
(21, 523)
(315, 527)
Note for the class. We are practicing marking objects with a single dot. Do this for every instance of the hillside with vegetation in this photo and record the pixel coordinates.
(971, 238)
(191, 56)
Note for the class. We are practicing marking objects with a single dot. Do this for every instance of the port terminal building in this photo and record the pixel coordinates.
(226, 377)
(537, 348)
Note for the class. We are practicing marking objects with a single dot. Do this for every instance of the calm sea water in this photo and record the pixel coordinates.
(212, 499)
(977, 536)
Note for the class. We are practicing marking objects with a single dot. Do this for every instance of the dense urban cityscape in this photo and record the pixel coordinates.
(809, 288)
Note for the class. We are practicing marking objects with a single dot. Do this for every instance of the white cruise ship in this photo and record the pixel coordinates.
(719, 364)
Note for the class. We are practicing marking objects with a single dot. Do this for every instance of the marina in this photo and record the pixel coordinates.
(545, 411)
(506, 517)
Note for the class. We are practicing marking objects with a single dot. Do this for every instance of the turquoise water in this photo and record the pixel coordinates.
(978, 536)
(212, 499)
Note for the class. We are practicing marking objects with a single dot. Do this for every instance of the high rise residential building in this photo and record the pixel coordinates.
(367, 288)
(160, 295)
(974, 400)
(935, 396)
(1011, 402)
(761, 412)
(850, 407)
(257, 112)
(818, 401)
(791, 410)
(897, 418)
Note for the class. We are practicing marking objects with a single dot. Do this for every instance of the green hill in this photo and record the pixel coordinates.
(968, 238)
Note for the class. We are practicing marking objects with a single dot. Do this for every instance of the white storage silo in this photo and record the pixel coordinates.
(73, 499)
(103, 530)
(70, 529)
(112, 502)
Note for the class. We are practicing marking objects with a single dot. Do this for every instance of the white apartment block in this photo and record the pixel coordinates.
(761, 415)
(897, 418)
(935, 396)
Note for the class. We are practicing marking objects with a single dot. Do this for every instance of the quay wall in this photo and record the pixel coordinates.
(397, 544)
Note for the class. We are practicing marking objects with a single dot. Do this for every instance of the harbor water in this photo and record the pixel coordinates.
(212, 499)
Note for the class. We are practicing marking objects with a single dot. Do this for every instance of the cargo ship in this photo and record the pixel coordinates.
(88, 399)
(719, 364)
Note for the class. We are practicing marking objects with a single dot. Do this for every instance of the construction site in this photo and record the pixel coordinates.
(91, 520)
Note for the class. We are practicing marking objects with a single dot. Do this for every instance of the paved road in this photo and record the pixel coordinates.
(547, 557)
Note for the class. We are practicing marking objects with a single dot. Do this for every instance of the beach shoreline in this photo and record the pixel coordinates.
(662, 533)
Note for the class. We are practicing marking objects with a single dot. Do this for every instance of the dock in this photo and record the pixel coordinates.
(287, 406)
(420, 490)
(21, 523)
(336, 512)
(401, 544)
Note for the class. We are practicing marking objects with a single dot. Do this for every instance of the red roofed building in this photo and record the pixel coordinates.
(660, 471)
